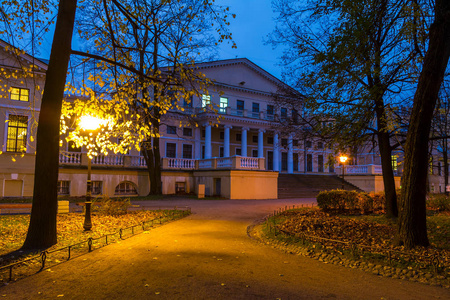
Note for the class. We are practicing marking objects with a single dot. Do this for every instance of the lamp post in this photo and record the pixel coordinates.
(89, 124)
(343, 159)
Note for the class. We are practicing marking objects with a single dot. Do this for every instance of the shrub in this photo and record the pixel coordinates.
(341, 201)
(439, 202)
(112, 207)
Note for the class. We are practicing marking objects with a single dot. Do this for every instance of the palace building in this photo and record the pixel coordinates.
(238, 157)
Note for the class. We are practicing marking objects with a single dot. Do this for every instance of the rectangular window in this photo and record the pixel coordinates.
(19, 94)
(238, 151)
(203, 152)
(206, 100)
(270, 140)
(187, 151)
(255, 139)
(171, 130)
(254, 153)
(222, 135)
(188, 102)
(295, 143)
(17, 133)
(63, 187)
(308, 144)
(71, 147)
(171, 150)
(284, 142)
(319, 145)
(240, 105)
(309, 163)
(320, 163)
(223, 104)
(187, 131)
(283, 113)
(97, 187)
(238, 137)
(294, 116)
(394, 162)
(270, 109)
(221, 152)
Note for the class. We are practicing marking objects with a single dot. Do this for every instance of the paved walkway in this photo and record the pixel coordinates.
(209, 256)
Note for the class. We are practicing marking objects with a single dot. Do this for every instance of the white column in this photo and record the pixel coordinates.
(226, 142)
(290, 155)
(208, 141)
(276, 153)
(261, 142)
(244, 142)
(197, 143)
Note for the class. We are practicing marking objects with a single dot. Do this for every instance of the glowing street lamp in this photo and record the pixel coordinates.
(89, 124)
(343, 159)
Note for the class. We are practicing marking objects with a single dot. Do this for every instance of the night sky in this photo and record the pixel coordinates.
(253, 22)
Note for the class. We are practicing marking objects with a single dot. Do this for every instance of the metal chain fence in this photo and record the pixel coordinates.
(436, 262)
(49, 258)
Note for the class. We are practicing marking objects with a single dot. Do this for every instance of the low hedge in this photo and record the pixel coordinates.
(341, 201)
(439, 202)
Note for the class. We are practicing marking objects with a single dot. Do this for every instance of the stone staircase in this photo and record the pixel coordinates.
(308, 186)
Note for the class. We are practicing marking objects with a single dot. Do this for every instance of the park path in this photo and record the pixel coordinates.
(208, 255)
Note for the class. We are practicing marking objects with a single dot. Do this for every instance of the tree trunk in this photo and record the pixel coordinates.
(157, 170)
(412, 223)
(42, 229)
(445, 157)
(388, 175)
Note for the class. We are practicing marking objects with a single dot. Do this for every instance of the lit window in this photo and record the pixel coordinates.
(20, 94)
(17, 133)
(394, 162)
(206, 100)
(63, 187)
(223, 105)
(125, 188)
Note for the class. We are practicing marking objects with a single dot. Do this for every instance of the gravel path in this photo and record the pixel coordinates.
(208, 255)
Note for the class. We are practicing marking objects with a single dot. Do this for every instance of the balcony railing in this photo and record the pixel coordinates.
(360, 170)
(114, 160)
(232, 163)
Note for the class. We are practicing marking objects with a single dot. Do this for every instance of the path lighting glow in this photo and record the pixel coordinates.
(343, 158)
(89, 123)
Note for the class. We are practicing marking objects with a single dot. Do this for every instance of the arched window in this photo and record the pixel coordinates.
(125, 188)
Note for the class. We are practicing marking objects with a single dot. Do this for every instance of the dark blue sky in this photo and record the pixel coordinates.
(254, 21)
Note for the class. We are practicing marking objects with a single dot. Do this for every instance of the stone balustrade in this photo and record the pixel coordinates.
(360, 170)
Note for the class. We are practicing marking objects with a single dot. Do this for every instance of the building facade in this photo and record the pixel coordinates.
(235, 150)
